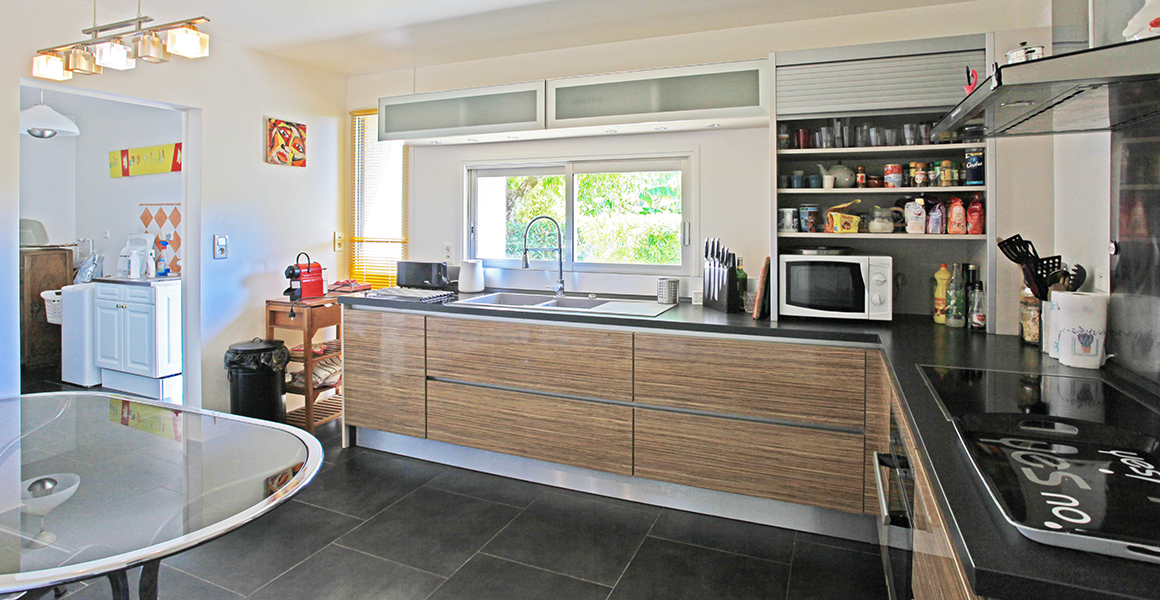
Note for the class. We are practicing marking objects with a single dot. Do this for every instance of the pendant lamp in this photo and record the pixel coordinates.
(42, 122)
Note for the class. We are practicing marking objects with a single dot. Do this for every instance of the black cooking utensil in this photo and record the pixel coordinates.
(1007, 246)
(1035, 282)
(1078, 277)
(1046, 266)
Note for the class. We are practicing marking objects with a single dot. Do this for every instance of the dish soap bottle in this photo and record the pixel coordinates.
(942, 279)
(956, 302)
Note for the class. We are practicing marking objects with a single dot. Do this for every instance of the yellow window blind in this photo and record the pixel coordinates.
(376, 233)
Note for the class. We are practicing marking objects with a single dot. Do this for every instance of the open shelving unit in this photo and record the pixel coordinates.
(308, 317)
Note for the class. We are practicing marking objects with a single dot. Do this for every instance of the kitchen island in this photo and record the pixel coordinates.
(996, 559)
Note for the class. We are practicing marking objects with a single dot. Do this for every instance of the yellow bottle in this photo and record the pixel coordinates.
(942, 278)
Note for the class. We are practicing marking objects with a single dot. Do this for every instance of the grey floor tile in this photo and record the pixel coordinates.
(665, 570)
(249, 557)
(489, 578)
(760, 541)
(581, 537)
(432, 530)
(340, 574)
(368, 482)
(831, 573)
(488, 487)
(171, 585)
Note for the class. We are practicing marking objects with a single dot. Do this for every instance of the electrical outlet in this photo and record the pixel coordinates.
(106, 234)
(221, 246)
(448, 251)
(338, 240)
(1103, 281)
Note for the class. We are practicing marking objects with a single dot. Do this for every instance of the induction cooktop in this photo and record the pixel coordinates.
(1070, 461)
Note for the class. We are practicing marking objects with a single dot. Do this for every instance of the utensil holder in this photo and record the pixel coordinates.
(667, 290)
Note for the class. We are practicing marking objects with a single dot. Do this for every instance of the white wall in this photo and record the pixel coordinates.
(270, 212)
(113, 204)
(733, 190)
(1083, 200)
(48, 185)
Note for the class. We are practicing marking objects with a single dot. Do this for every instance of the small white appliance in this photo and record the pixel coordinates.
(836, 286)
(138, 257)
(78, 344)
(471, 276)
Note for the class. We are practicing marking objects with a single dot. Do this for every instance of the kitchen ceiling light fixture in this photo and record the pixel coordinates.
(120, 49)
(50, 66)
(42, 122)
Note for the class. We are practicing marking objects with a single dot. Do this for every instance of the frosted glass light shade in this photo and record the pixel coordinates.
(79, 60)
(42, 122)
(188, 42)
(150, 48)
(114, 55)
(50, 66)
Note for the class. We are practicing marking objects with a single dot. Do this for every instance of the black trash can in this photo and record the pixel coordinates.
(257, 374)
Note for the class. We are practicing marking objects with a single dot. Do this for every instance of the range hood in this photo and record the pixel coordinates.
(1101, 89)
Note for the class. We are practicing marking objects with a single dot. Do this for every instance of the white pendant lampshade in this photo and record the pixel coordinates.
(40, 121)
(150, 48)
(188, 42)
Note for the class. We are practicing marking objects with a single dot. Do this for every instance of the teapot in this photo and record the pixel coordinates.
(843, 175)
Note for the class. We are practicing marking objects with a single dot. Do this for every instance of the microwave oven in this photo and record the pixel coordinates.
(836, 286)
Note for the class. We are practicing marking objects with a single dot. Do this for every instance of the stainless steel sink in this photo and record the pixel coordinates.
(540, 302)
(506, 299)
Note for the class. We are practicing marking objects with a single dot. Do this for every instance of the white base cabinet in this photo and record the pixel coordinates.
(138, 328)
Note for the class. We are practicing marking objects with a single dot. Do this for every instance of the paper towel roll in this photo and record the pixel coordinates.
(1082, 323)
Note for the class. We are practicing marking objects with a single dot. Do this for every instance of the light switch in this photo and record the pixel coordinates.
(221, 246)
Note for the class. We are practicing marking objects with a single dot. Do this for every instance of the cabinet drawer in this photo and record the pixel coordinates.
(545, 358)
(791, 464)
(384, 383)
(572, 432)
(110, 291)
(138, 293)
(789, 382)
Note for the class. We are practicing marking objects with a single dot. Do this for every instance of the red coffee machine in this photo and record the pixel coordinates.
(305, 279)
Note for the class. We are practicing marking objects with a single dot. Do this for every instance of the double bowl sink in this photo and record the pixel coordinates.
(540, 302)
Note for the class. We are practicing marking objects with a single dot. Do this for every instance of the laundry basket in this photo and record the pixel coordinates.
(51, 305)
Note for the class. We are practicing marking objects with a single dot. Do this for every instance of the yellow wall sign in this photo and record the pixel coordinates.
(145, 161)
(157, 420)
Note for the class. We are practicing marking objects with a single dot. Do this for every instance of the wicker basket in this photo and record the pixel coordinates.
(51, 305)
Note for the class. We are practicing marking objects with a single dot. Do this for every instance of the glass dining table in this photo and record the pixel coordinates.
(94, 484)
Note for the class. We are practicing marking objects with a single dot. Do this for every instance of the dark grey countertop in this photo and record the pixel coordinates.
(1000, 562)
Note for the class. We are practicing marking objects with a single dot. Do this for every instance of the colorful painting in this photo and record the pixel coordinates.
(150, 160)
(285, 143)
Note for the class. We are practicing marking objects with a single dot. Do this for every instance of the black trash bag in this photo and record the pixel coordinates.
(257, 355)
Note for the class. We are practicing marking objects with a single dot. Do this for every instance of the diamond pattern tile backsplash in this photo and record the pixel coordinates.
(162, 221)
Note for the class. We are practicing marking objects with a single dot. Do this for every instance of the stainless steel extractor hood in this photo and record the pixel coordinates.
(1100, 89)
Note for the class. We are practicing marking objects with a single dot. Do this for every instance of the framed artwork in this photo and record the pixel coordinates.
(285, 143)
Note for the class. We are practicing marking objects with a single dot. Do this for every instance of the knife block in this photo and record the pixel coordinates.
(720, 288)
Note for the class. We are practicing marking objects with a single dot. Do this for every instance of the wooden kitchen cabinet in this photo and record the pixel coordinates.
(384, 376)
(543, 358)
(818, 385)
(879, 391)
(791, 464)
(936, 571)
(41, 269)
(571, 432)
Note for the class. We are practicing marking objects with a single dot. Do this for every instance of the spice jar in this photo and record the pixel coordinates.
(1029, 317)
(921, 177)
(860, 176)
(946, 174)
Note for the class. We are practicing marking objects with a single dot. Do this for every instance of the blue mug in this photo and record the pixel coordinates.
(815, 181)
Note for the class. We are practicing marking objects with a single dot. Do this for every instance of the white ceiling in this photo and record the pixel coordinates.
(355, 37)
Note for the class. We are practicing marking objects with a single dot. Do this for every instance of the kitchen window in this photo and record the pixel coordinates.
(624, 216)
(376, 232)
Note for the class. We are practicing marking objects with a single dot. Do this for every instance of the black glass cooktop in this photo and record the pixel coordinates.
(977, 391)
(1070, 461)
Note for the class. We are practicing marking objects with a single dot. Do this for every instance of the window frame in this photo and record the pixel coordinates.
(376, 271)
(687, 160)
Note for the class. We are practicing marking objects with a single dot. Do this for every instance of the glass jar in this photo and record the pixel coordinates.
(881, 220)
(1029, 317)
